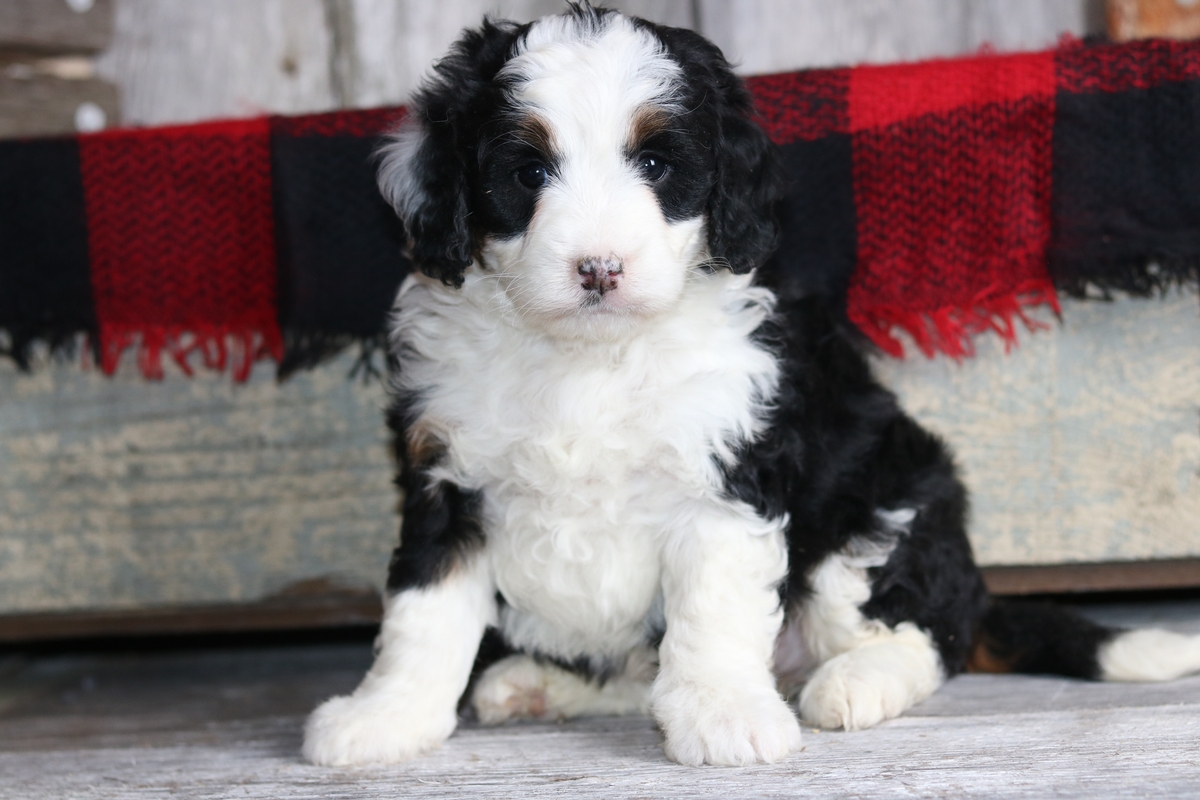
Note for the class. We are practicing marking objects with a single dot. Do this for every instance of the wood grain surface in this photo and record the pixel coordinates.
(1083, 443)
(227, 723)
(119, 493)
(53, 26)
(40, 105)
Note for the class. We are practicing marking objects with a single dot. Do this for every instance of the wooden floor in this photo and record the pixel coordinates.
(226, 722)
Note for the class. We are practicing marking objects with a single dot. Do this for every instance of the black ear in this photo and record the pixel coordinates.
(427, 167)
(742, 227)
(748, 179)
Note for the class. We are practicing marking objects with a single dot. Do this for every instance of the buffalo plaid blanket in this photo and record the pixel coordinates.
(941, 199)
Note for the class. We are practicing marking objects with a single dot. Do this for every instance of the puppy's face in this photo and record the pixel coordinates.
(580, 161)
(592, 188)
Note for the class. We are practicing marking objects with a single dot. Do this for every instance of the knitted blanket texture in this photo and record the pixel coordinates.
(941, 199)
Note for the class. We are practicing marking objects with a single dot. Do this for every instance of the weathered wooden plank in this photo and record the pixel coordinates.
(1081, 445)
(1061, 578)
(183, 61)
(116, 493)
(288, 610)
(1122, 752)
(39, 105)
(396, 41)
(220, 723)
(1144, 19)
(777, 35)
(56, 25)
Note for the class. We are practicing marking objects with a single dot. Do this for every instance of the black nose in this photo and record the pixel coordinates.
(599, 275)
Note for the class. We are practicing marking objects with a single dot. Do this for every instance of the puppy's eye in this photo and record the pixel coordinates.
(652, 167)
(532, 175)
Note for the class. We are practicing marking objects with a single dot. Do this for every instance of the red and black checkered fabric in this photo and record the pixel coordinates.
(941, 199)
(181, 238)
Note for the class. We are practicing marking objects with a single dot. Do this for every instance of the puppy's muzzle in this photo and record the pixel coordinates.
(600, 275)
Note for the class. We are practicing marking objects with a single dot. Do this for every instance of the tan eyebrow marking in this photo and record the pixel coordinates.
(648, 121)
(534, 131)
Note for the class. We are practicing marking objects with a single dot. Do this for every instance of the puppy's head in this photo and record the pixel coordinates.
(588, 161)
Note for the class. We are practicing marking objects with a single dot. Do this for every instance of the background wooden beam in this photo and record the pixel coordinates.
(43, 105)
(1146, 19)
(316, 605)
(56, 26)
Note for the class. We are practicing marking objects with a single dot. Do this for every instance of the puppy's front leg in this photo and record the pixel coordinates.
(407, 703)
(715, 695)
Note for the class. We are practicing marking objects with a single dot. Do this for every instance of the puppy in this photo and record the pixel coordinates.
(641, 478)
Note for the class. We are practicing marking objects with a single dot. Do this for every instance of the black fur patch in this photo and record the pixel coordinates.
(1039, 638)
(461, 98)
(838, 449)
(440, 521)
(745, 175)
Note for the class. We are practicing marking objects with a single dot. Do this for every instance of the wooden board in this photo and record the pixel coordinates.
(227, 723)
(120, 493)
(55, 25)
(1146, 19)
(188, 61)
(1083, 443)
(777, 35)
(44, 106)
(1183, 573)
(292, 56)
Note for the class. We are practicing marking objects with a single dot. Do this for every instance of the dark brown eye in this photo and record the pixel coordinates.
(652, 167)
(532, 175)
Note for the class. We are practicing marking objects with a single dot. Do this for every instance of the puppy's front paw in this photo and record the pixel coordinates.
(726, 727)
(366, 729)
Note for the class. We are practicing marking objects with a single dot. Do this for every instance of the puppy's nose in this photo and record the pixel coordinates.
(599, 274)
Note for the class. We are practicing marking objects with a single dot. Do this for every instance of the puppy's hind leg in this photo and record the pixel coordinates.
(874, 681)
(407, 703)
(868, 672)
(521, 687)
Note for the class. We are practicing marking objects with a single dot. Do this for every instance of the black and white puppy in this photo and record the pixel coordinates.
(641, 478)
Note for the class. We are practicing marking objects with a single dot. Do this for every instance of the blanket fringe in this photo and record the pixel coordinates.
(951, 329)
(218, 347)
(306, 349)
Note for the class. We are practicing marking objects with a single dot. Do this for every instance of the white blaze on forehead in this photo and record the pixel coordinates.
(588, 83)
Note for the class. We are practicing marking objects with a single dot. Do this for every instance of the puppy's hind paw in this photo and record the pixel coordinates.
(863, 687)
(354, 730)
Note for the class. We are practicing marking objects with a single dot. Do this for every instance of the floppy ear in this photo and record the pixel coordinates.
(422, 176)
(427, 167)
(742, 227)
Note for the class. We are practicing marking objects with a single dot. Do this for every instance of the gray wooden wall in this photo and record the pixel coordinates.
(181, 60)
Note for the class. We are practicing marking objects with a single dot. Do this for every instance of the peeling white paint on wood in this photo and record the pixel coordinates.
(124, 493)
(778, 35)
(1083, 443)
(178, 61)
(980, 736)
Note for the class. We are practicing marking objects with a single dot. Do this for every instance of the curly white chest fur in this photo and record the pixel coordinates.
(587, 454)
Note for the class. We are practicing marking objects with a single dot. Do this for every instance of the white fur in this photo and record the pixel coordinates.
(406, 704)
(589, 454)
(520, 687)
(856, 671)
(587, 88)
(1149, 655)
(715, 696)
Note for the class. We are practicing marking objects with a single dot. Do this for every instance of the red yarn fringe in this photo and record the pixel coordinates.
(218, 347)
(951, 329)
